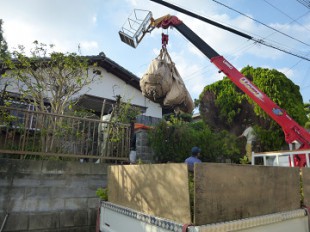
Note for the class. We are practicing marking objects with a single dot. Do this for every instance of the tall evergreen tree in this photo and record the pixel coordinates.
(3, 55)
(3, 43)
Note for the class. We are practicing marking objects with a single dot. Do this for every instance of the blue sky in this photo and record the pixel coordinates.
(94, 25)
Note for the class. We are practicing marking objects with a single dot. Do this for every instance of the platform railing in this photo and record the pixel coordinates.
(279, 158)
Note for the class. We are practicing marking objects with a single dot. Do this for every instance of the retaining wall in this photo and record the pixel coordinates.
(49, 195)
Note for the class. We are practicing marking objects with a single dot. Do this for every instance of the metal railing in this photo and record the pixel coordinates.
(29, 134)
(279, 158)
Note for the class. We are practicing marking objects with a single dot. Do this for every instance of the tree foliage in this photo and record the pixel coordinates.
(47, 74)
(49, 80)
(224, 107)
(4, 55)
(307, 109)
(280, 89)
(172, 141)
(3, 44)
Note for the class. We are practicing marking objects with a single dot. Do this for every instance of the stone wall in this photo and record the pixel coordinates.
(49, 195)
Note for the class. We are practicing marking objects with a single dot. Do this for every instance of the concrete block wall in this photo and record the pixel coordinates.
(144, 152)
(49, 195)
(147, 120)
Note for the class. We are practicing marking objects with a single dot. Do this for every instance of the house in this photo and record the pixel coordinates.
(100, 96)
(116, 81)
(196, 117)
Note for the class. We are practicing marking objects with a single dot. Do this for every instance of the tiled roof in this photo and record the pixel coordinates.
(114, 68)
(110, 66)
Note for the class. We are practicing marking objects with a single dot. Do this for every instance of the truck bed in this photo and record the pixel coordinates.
(116, 218)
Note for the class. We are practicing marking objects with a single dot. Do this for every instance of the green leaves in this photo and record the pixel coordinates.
(3, 44)
(47, 74)
(224, 107)
(102, 193)
(172, 141)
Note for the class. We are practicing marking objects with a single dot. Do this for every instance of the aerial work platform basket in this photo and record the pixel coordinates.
(134, 29)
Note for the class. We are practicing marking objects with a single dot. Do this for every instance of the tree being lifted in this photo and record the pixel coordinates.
(46, 75)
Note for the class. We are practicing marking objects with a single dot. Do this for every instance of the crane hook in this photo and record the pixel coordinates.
(164, 40)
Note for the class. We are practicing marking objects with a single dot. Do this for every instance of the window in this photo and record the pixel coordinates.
(22, 113)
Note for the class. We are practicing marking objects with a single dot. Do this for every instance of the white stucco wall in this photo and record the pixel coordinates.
(110, 86)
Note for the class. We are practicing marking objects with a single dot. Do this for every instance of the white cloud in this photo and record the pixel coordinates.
(94, 18)
(89, 45)
(288, 72)
(19, 33)
(47, 22)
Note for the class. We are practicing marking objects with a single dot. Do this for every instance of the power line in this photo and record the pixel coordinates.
(304, 79)
(293, 20)
(260, 22)
(259, 41)
(305, 3)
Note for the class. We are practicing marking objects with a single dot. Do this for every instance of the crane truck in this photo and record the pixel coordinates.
(292, 130)
(118, 215)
